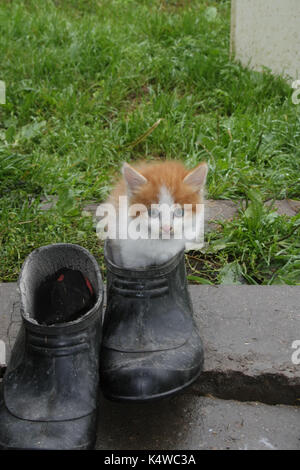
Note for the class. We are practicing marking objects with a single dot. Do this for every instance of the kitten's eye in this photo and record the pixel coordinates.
(178, 212)
(153, 212)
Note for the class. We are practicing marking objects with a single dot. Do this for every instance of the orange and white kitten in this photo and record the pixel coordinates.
(153, 187)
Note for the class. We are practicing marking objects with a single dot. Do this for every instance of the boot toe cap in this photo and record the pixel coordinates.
(150, 375)
(147, 384)
(16, 433)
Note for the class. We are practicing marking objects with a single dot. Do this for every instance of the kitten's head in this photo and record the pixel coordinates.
(165, 197)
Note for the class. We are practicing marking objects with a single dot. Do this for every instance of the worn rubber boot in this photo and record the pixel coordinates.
(48, 397)
(151, 348)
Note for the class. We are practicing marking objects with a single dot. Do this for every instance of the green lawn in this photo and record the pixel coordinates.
(86, 78)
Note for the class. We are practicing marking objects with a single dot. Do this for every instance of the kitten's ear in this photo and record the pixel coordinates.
(197, 177)
(133, 178)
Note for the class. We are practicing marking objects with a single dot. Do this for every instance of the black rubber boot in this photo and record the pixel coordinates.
(151, 348)
(48, 397)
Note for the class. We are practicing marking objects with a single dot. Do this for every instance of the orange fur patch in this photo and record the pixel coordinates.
(169, 174)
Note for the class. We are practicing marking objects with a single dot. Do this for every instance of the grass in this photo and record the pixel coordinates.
(86, 78)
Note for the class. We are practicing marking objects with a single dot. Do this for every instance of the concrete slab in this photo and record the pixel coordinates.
(248, 334)
(9, 320)
(189, 423)
(266, 34)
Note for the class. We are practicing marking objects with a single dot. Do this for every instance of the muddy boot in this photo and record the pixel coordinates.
(48, 397)
(151, 348)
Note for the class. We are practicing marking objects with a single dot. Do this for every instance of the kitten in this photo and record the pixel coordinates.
(154, 206)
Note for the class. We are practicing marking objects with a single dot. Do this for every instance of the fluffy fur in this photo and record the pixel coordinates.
(165, 184)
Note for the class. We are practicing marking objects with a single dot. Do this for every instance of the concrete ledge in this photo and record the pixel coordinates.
(188, 422)
(9, 320)
(248, 332)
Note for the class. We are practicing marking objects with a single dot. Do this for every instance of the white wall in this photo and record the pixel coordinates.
(267, 33)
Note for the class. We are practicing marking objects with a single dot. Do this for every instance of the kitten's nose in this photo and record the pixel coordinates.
(167, 228)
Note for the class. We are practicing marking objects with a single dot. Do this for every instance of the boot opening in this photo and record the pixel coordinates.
(65, 296)
(58, 284)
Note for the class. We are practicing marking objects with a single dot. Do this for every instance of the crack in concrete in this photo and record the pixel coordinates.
(272, 389)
